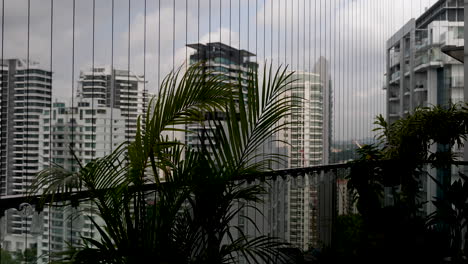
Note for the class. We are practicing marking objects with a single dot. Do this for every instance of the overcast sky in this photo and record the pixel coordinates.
(351, 34)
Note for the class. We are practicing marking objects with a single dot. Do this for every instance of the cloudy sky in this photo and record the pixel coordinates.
(149, 37)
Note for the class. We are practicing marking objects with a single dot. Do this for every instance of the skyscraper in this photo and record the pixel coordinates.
(420, 74)
(308, 136)
(73, 136)
(26, 91)
(222, 59)
(121, 89)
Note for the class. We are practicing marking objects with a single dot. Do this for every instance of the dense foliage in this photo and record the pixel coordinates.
(387, 180)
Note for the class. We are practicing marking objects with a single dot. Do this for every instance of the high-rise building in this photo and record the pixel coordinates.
(235, 66)
(308, 137)
(419, 73)
(70, 137)
(26, 91)
(74, 135)
(121, 89)
(221, 59)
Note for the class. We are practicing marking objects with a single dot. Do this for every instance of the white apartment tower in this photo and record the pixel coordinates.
(25, 92)
(308, 137)
(70, 136)
(121, 89)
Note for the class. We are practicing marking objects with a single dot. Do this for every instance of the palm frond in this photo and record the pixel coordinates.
(261, 249)
(250, 122)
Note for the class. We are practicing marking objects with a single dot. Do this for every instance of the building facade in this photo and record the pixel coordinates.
(220, 59)
(26, 91)
(72, 136)
(420, 74)
(308, 135)
(121, 89)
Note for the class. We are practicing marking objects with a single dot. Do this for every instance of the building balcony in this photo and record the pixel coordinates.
(395, 77)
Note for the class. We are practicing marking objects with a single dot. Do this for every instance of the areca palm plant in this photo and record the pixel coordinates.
(162, 201)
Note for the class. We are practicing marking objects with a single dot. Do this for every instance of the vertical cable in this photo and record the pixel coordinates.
(286, 35)
(374, 11)
(159, 44)
(359, 70)
(319, 78)
(51, 57)
(370, 81)
(72, 145)
(93, 111)
(173, 39)
(128, 73)
(112, 76)
(341, 67)
(298, 37)
(264, 31)
(292, 35)
(313, 72)
(220, 26)
(240, 31)
(186, 34)
(256, 61)
(248, 27)
(271, 65)
(209, 34)
(329, 136)
(173, 49)
(256, 33)
(198, 21)
(92, 72)
(327, 99)
(304, 37)
(311, 83)
(348, 78)
(271, 32)
(283, 185)
(364, 84)
(3, 184)
(279, 40)
(355, 65)
(248, 58)
(230, 35)
(26, 133)
(330, 88)
(145, 92)
(364, 80)
(333, 123)
(50, 106)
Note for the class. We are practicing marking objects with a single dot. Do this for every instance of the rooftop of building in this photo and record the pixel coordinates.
(219, 46)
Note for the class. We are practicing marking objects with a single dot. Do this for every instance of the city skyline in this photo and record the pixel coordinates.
(156, 48)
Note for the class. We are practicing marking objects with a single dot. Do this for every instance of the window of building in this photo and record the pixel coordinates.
(452, 15)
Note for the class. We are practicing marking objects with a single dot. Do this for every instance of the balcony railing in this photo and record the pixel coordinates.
(305, 206)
